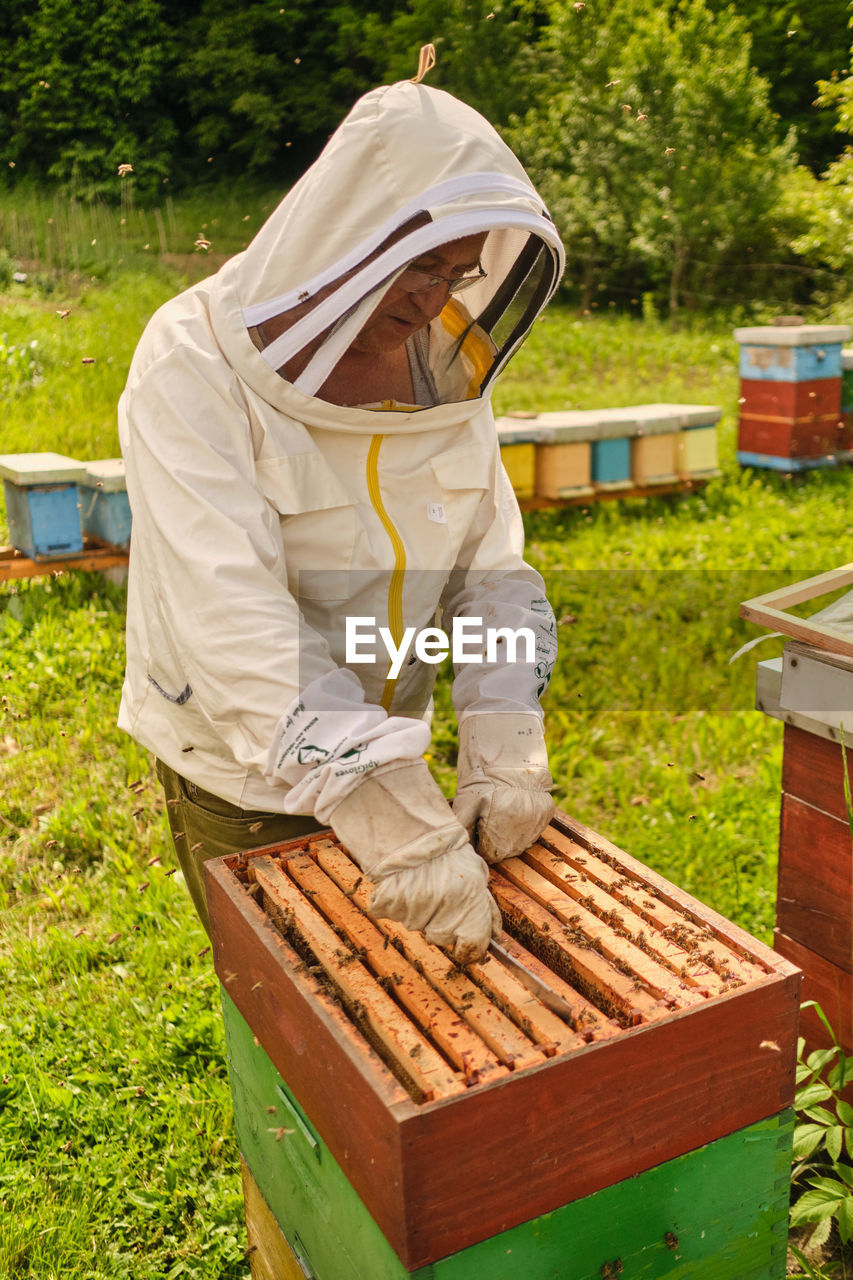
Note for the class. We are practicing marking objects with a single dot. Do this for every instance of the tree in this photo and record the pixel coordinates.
(658, 145)
(81, 84)
(795, 45)
(827, 204)
(265, 84)
(486, 53)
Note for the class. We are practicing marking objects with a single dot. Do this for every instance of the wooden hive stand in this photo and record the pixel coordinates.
(400, 1116)
(95, 555)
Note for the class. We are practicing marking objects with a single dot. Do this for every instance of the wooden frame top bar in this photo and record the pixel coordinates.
(770, 610)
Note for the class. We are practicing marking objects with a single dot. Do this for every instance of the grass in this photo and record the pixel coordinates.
(46, 235)
(117, 1152)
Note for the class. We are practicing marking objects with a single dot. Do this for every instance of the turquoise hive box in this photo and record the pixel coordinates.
(105, 509)
(43, 503)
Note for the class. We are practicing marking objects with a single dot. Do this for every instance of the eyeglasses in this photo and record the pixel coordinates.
(414, 281)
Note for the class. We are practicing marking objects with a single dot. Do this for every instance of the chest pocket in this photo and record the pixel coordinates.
(464, 476)
(318, 523)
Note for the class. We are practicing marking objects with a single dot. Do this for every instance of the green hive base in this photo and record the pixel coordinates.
(716, 1213)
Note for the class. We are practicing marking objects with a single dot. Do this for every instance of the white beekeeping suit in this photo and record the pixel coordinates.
(268, 509)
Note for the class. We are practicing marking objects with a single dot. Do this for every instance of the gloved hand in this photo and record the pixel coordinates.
(401, 832)
(503, 784)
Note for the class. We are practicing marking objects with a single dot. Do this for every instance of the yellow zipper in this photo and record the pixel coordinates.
(395, 589)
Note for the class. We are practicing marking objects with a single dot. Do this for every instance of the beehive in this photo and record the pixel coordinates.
(790, 395)
(42, 503)
(517, 439)
(564, 470)
(654, 458)
(455, 1104)
(105, 509)
(611, 463)
(814, 905)
(696, 453)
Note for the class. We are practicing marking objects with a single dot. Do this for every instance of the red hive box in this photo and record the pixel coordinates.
(789, 437)
(817, 398)
(814, 912)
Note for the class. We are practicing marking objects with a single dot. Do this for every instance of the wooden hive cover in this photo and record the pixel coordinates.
(107, 474)
(456, 1103)
(41, 468)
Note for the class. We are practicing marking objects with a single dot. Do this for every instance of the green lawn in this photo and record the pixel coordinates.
(117, 1152)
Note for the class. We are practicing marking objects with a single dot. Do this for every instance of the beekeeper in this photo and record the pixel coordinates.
(310, 454)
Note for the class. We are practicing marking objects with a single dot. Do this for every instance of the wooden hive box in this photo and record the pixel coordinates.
(815, 399)
(105, 508)
(455, 1104)
(519, 461)
(517, 437)
(718, 1211)
(611, 463)
(814, 906)
(791, 353)
(654, 458)
(564, 470)
(795, 440)
(696, 452)
(43, 503)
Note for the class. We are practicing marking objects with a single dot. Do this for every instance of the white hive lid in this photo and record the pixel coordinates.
(106, 474)
(683, 415)
(518, 430)
(799, 335)
(41, 468)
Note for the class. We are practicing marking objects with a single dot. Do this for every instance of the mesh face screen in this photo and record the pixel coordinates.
(468, 340)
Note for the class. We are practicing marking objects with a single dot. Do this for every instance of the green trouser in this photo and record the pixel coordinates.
(204, 826)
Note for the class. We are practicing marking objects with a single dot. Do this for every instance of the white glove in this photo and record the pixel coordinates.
(401, 832)
(503, 784)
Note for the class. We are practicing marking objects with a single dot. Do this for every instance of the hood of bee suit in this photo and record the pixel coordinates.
(409, 170)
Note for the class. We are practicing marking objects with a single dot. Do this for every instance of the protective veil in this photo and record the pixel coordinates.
(266, 515)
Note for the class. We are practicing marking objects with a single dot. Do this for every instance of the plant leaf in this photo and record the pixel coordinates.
(820, 1115)
(820, 1203)
(845, 1219)
(817, 1061)
(820, 1235)
(841, 1073)
(807, 1138)
(812, 1093)
(820, 1013)
(834, 1136)
(808, 1269)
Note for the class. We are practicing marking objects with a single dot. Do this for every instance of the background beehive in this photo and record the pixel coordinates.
(790, 395)
(570, 455)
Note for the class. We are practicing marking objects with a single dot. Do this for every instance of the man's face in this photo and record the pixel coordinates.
(400, 314)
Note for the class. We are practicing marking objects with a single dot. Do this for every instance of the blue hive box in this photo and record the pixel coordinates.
(105, 509)
(611, 462)
(43, 503)
(791, 353)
